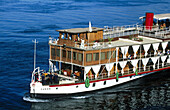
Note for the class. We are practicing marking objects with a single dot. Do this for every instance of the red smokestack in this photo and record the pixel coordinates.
(149, 21)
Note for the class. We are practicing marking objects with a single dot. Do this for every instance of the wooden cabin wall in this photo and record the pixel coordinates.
(85, 63)
(93, 36)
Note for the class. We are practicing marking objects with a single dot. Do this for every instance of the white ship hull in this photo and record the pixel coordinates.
(38, 89)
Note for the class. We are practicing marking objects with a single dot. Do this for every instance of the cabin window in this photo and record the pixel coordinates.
(64, 53)
(74, 56)
(102, 55)
(114, 54)
(80, 57)
(88, 57)
(104, 83)
(69, 54)
(95, 56)
(94, 84)
(108, 54)
(58, 52)
(53, 52)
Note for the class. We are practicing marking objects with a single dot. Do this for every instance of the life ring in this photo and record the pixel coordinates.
(87, 82)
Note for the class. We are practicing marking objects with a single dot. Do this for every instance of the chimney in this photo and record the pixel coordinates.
(90, 28)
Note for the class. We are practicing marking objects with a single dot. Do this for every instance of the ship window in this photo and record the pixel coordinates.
(69, 54)
(104, 83)
(95, 56)
(74, 56)
(58, 52)
(102, 55)
(114, 54)
(80, 57)
(64, 53)
(53, 52)
(88, 57)
(108, 54)
(94, 84)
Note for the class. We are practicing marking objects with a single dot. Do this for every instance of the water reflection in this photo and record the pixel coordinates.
(130, 96)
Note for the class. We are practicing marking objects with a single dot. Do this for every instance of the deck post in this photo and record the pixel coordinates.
(116, 57)
(71, 61)
(60, 60)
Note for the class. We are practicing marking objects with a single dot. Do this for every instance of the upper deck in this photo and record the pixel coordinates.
(103, 38)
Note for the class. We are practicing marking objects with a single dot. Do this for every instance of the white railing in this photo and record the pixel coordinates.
(127, 30)
(112, 32)
(154, 31)
(128, 71)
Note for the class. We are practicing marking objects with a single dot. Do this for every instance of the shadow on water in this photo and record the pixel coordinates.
(150, 92)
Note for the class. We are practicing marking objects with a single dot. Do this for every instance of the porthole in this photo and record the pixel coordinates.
(77, 86)
(104, 83)
(94, 84)
(56, 88)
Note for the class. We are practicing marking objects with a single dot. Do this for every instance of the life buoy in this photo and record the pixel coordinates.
(87, 82)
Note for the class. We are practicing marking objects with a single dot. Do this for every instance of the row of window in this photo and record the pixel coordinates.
(79, 56)
(102, 57)
(76, 56)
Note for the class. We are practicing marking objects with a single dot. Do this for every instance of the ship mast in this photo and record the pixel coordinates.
(35, 42)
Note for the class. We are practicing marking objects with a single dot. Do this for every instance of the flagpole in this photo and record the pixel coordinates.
(35, 42)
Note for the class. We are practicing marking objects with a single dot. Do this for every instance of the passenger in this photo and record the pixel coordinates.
(36, 77)
(51, 78)
(168, 52)
(43, 79)
(164, 25)
(55, 78)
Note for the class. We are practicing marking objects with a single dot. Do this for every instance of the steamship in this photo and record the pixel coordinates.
(92, 58)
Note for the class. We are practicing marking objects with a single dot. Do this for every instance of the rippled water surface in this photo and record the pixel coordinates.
(22, 21)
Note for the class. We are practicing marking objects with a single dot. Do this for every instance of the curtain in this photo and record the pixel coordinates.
(164, 44)
(134, 63)
(154, 59)
(146, 48)
(124, 51)
(109, 67)
(96, 68)
(155, 47)
(123, 64)
(163, 58)
(135, 49)
(145, 61)
(87, 69)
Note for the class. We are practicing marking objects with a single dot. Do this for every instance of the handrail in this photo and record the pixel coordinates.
(130, 71)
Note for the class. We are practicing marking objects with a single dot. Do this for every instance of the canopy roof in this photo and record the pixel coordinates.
(159, 16)
(79, 30)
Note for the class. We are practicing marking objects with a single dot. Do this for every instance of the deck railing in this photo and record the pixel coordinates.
(128, 71)
(114, 32)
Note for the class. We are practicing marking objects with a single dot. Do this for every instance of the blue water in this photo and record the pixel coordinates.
(22, 21)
